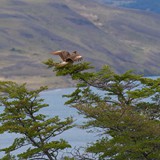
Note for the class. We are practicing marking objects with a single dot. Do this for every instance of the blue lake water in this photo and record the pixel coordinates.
(75, 136)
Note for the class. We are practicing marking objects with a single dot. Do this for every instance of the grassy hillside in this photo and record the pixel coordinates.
(30, 29)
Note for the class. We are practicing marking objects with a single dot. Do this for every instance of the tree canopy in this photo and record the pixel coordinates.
(126, 110)
(123, 109)
(36, 131)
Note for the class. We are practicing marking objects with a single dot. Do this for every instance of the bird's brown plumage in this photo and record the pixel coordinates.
(67, 57)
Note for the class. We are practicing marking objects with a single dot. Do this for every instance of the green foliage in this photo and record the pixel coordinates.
(21, 115)
(126, 108)
(8, 157)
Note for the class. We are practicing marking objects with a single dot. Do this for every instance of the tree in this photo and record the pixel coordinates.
(37, 132)
(125, 108)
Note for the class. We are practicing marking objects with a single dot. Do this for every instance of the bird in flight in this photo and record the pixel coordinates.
(68, 58)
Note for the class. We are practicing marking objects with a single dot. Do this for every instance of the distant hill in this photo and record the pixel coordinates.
(147, 5)
(30, 29)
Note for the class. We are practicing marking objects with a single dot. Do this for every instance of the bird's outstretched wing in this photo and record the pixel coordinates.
(63, 54)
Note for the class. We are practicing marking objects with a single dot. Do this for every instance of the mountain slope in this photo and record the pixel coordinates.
(30, 29)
